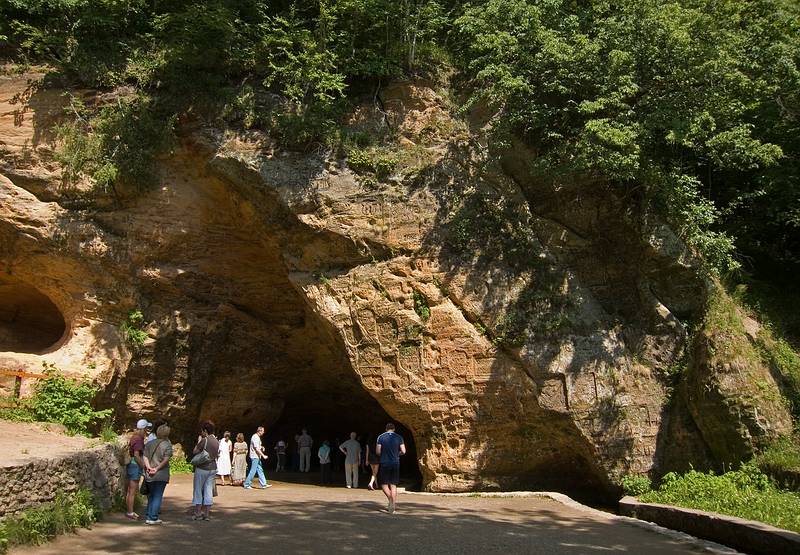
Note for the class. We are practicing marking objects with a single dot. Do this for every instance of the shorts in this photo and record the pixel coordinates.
(134, 472)
(389, 474)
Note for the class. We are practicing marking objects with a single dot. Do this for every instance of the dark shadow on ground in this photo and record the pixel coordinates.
(427, 525)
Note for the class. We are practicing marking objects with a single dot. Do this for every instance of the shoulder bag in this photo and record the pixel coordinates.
(202, 457)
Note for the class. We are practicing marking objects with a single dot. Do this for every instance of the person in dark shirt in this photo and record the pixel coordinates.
(389, 447)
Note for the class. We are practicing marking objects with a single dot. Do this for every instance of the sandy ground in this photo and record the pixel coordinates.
(20, 443)
(302, 518)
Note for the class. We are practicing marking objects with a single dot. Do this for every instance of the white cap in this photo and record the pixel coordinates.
(142, 424)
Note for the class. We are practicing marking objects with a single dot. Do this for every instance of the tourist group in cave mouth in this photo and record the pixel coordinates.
(149, 452)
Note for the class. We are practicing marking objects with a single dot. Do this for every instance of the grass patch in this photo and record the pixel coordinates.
(781, 461)
(744, 493)
(41, 524)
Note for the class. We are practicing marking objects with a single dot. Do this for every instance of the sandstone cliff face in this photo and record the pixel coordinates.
(285, 290)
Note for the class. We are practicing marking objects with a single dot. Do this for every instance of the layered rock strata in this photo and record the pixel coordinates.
(520, 344)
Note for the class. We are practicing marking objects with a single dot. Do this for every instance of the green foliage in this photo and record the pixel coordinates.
(685, 107)
(117, 144)
(132, 330)
(671, 100)
(636, 485)
(16, 410)
(179, 465)
(745, 493)
(41, 524)
(378, 161)
(776, 312)
(66, 401)
(781, 461)
(421, 306)
(107, 432)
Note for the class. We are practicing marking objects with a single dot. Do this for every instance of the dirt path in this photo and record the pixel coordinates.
(20, 443)
(296, 518)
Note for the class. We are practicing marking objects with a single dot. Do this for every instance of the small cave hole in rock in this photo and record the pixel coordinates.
(29, 321)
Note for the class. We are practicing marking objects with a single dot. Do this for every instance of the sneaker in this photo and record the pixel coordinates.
(197, 517)
(267, 486)
(151, 522)
(349, 487)
(248, 487)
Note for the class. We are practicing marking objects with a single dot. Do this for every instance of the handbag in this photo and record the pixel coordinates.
(144, 489)
(202, 457)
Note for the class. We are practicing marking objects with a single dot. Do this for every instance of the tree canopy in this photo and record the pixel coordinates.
(694, 104)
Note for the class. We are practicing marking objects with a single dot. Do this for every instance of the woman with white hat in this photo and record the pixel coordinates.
(136, 464)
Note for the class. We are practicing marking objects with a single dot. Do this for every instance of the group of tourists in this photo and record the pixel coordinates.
(149, 453)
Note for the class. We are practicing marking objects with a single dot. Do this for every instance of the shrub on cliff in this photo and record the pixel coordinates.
(66, 401)
(61, 400)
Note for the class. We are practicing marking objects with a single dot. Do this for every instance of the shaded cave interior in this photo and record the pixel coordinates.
(29, 321)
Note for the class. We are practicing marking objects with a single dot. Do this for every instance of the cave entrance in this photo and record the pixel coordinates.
(29, 321)
(332, 413)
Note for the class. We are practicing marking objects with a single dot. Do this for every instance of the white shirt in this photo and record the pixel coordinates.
(255, 443)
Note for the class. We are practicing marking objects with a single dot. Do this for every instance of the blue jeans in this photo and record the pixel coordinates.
(255, 466)
(154, 499)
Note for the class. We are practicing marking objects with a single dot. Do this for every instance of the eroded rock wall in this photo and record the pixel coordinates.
(521, 348)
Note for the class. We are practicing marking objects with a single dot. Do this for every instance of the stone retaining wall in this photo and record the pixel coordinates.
(745, 535)
(97, 469)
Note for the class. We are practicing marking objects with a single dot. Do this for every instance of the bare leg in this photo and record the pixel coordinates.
(374, 477)
(394, 496)
(130, 498)
(387, 491)
(198, 510)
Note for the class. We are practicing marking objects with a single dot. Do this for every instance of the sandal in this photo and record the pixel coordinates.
(132, 516)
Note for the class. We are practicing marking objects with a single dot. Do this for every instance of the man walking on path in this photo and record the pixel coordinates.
(304, 443)
(256, 454)
(389, 447)
(352, 454)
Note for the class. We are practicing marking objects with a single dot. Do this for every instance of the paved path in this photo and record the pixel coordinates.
(297, 518)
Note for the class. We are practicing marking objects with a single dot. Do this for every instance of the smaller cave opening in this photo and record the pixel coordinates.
(29, 321)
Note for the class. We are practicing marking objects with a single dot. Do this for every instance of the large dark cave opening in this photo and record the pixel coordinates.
(29, 321)
(332, 415)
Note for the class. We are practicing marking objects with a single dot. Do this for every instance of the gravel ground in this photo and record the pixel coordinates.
(304, 518)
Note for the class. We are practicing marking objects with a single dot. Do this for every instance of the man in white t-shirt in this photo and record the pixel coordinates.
(304, 443)
(256, 454)
(352, 454)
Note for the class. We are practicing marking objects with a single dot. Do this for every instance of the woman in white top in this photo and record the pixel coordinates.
(224, 460)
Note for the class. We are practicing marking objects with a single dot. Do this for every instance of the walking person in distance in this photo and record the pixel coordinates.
(390, 446)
